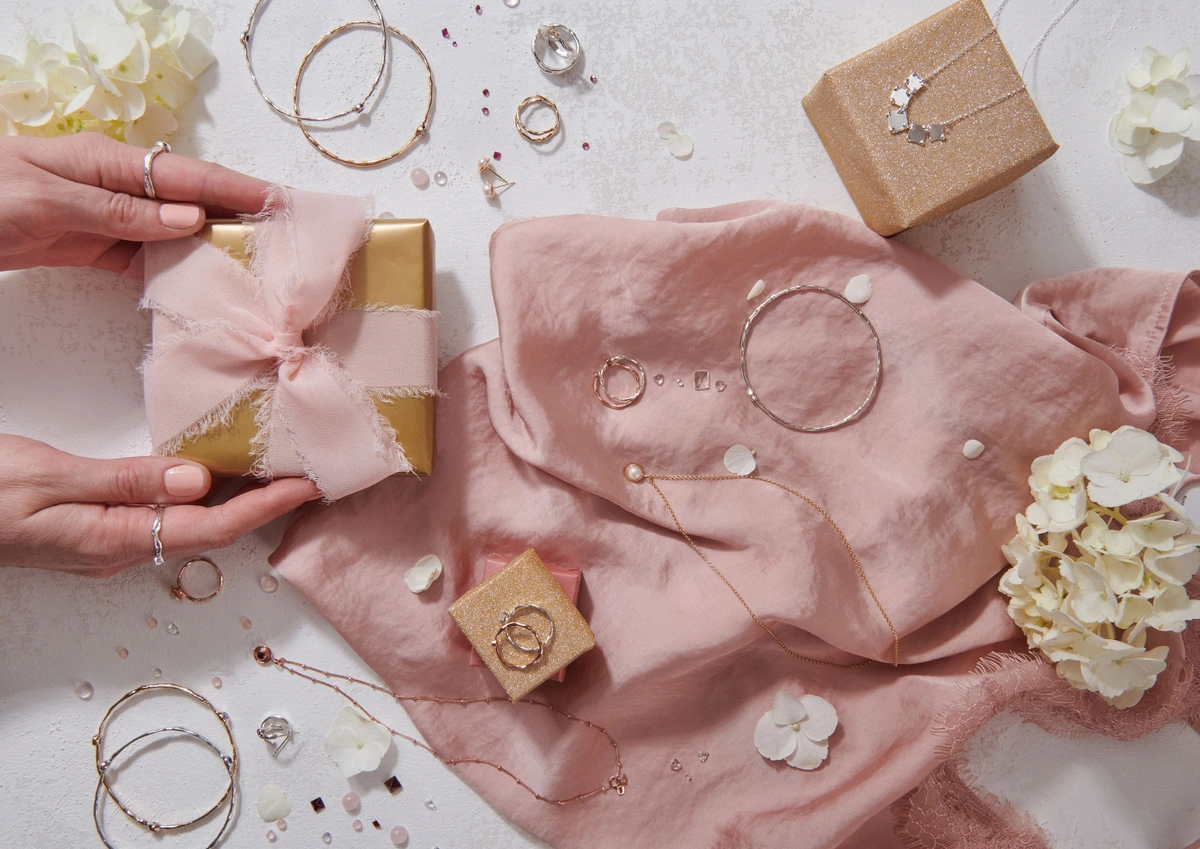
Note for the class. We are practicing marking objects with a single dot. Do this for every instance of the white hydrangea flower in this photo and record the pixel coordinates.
(357, 744)
(796, 730)
(1086, 582)
(1163, 111)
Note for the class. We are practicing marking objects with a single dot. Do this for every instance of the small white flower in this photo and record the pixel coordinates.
(1154, 67)
(1177, 566)
(1123, 668)
(796, 730)
(1163, 111)
(357, 744)
(739, 460)
(1155, 532)
(1092, 600)
(273, 803)
(110, 50)
(1130, 468)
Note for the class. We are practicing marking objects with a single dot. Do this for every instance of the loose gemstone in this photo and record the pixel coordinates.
(478, 9)
(393, 785)
(679, 380)
(658, 378)
(917, 134)
(454, 44)
(318, 805)
(720, 386)
(151, 622)
(900, 97)
(268, 583)
(281, 825)
(356, 825)
(897, 121)
(156, 673)
(419, 177)
(172, 628)
(486, 93)
(84, 690)
(327, 838)
(376, 824)
(122, 653)
(351, 802)
(270, 837)
(429, 804)
(703, 756)
(486, 111)
(246, 623)
(700, 379)
(216, 682)
(676, 765)
(587, 146)
(440, 178)
(399, 835)
(592, 78)
(496, 155)
(445, 32)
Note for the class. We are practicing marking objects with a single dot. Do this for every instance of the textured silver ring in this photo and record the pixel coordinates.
(557, 40)
(148, 163)
(154, 531)
(509, 616)
(746, 328)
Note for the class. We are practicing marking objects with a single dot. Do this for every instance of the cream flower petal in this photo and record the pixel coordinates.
(1173, 609)
(1175, 567)
(1180, 63)
(809, 753)
(273, 803)
(1162, 68)
(1163, 149)
(822, 718)
(342, 746)
(665, 130)
(1126, 137)
(172, 85)
(787, 709)
(356, 744)
(739, 460)
(680, 145)
(756, 290)
(422, 575)
(774, 742)
(1155, 533)
(1169, 115)
(194, 55)
(155, 125)
(1140, 173)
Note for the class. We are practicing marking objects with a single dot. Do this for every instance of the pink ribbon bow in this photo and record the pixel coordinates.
(223, 332)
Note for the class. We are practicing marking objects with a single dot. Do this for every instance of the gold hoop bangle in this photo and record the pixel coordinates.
(179, 593)
(537, 136)
(417, 133)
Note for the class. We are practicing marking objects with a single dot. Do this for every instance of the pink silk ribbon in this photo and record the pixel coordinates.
(223, 332)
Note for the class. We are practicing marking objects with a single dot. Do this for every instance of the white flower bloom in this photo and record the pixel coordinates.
(1130, 468)
(1114, 672)
(797, 730)
(1153, 67)
(154, 125)
(171, 85)
(1177, 566)
(111, 51)
(357, 744)
(188, 34)
(273, 803)
(1155, 531)
(1092, 600)
(1163, 111)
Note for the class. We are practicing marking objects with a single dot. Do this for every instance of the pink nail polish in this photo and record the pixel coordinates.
(179, 216)
(184, 481)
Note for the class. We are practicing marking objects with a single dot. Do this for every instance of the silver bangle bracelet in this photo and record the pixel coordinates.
(748, 326)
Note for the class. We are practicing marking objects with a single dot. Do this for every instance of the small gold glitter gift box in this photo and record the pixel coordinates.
(523, 625)
(944, 141)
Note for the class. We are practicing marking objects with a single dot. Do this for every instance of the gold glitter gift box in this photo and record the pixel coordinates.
(395, 266)
(897, 184)
(525, 582)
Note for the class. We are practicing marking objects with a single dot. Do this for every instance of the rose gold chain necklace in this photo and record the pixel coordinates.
(636, 474)
(617, 782)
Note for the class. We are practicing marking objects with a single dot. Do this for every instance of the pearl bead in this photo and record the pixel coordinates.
(489, 190)
(351, 802)
(634, 473)
(399, 835)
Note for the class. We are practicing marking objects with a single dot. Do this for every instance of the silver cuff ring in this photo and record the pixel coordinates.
(148, 163)
(556, 49)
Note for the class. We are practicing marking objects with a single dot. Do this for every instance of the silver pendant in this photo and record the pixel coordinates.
(917, 134)
(914, 84)
(937, 132)
(901, 97)
(898, 121)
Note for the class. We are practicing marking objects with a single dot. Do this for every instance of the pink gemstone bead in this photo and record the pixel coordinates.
(399, 835)
(351, 802)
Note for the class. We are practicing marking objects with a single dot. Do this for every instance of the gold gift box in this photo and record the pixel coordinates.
(524, 581)
(897, 184)
(395, 266)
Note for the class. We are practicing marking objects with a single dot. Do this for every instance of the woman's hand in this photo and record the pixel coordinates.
(59, 511)
(78, 200)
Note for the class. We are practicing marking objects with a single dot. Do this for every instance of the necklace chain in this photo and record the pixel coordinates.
(618, 782)
(653, 479)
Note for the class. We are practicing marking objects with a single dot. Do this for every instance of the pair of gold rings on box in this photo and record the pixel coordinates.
(518, 644)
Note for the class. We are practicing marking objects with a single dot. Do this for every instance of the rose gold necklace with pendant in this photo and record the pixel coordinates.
(636, 474)
(618, 782)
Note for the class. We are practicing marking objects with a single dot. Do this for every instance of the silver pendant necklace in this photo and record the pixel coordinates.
(902, 98)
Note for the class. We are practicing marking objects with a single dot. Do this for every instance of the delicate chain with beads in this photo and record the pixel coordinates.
(653, 481)
(618, 782)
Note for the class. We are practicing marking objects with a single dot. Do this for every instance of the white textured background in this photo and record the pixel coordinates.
(729, 74)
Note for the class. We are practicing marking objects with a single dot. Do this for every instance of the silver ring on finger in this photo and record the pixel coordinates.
(148, 163)
(159, 560)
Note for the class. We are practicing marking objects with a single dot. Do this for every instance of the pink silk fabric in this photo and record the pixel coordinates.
(223, 331)
(529, 458)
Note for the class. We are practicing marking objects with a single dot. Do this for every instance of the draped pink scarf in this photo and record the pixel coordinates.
(529, 458)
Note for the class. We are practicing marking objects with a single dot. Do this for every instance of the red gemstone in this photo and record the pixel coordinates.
(454, 44)
(486, 93)
(496, 155)
(485, 111)
(587, 146)
(445, 32)
(479, 10)
(592, 77)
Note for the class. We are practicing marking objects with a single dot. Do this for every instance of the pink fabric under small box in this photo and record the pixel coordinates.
(569, 579)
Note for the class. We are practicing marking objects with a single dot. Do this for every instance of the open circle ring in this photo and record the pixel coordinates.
(179, 593)
(746, 328)
(624, 363)
(537, 136)
(504, 629)
(556, 49)
(509, 616)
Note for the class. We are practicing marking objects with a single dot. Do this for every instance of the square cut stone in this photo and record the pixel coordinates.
(897, 121)
(916, 134)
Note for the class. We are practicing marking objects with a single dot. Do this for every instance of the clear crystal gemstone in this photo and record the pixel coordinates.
(900, 97)
(658, 378)
(897, 121)
(937, 132)
(172, 628)
(701, 380)
(676, 765)
(916, 134)
(720, 386)
(914, 83)
(84, 690)
(703, 756)
(430, 804)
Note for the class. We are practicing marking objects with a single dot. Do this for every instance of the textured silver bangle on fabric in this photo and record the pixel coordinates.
(748, 326)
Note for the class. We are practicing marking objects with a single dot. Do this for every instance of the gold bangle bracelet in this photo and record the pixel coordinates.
(417, 133)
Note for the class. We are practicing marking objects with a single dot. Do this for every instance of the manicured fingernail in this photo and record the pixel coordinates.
(179, 216)
(184, 481)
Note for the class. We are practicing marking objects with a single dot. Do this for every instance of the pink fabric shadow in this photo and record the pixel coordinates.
(527, 457)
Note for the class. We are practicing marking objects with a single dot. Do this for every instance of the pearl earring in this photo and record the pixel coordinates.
(491, 189)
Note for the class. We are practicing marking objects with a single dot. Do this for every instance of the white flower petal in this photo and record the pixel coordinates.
(156, 124)
(356, 744)
(787, 709)
(273, 803)
(1168, 114)
(171, 84)
(822, 719)
(665, 130)
(1140, 173)
(1161, 69)
(1180, 63)
(858, 290)
(809, 754)
(757, 289)
(774, 742)
(1126, 137)
(194, 55)
(1175, 567)
(739, 460)
(972, 448)
(422, 575)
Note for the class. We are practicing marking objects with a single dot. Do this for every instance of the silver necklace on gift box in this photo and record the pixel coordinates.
(902, 96)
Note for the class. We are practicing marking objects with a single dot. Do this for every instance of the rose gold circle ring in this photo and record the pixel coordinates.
(179, 593)
(625, 363)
